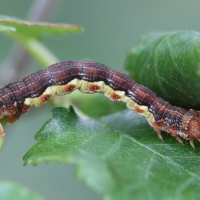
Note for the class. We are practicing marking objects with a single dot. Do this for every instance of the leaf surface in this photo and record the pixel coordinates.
(121, 157)
(13, 191)
(169, 65)
(97, 105)
(36, 30)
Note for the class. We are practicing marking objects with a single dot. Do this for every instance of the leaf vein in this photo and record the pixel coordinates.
(165, 157)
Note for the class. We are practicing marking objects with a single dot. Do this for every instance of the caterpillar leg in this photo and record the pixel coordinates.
(192, 143)
(158, 131)
(179, 140)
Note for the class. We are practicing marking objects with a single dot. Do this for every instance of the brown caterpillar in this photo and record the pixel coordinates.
(91, 77)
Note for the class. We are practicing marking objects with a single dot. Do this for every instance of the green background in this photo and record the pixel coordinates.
(112, 27)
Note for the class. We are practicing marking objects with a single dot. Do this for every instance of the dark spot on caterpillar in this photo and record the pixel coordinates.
(138, 109)
(115, 96)
(69, 88)
(93, 87)
(45, 97)
(25, 108)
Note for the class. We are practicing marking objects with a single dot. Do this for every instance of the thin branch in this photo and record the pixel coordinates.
(15, 67)
(42, 10)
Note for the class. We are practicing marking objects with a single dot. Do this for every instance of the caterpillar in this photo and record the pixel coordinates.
(92, 77)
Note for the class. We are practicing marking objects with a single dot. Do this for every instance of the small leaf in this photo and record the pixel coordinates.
(13, 191)
(26, 29)
(169, 64)
(4, 121)
(122, 158)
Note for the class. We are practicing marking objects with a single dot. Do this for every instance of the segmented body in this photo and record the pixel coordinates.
(92, 77)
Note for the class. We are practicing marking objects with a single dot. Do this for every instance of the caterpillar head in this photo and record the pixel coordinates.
(194, 128)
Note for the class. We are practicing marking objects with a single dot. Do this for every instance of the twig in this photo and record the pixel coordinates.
(16, 67)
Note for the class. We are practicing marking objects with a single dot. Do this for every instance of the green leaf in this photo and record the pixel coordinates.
(13, 191)
(7, 28)
(26, 29)
(121, 158)
(28, 33)
(97, 105)
(168, 64)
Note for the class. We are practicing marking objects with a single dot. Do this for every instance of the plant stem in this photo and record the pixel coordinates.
(40, 52)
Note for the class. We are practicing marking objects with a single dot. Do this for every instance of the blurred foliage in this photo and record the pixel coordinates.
(7, 28)
(13, 191)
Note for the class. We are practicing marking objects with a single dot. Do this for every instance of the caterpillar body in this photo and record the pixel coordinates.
(92, 77)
